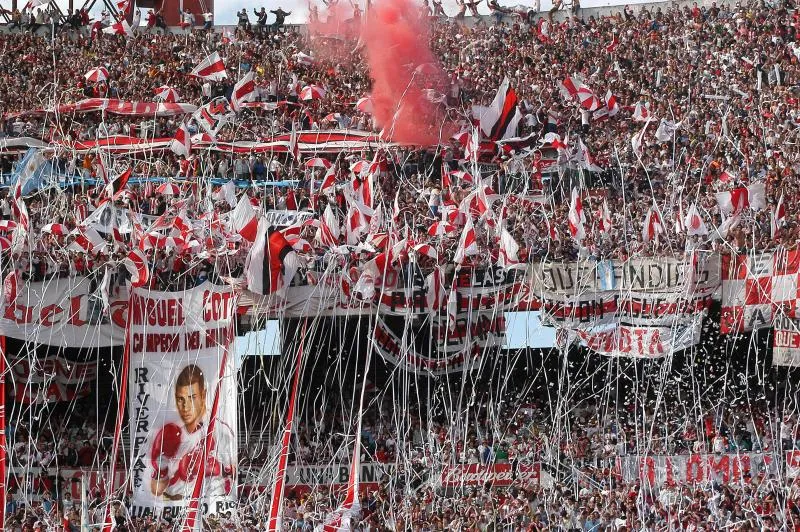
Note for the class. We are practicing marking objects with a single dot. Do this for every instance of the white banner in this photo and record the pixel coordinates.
(700, 271)
(286, 218)
(640, 342)
(64, 312)
(786, 342)
(182, 400)
(696, 468)
(660, 309)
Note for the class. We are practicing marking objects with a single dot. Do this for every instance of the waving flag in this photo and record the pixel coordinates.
(652, 225)
(576, 218)
(733, 202)
(641, 113)
(501, 119)
(778, 218)
(243, 219)
(612, 104)
(182, 143)
(467, 244)
(213, 115)
(36, 3)
(211, 68)
(119, 28)
(509, 250)
(166, 94)
(604, 223)
(113, 189)
(125, 6)
(136, 264)
(328, 231)
(244, 91)
(694, 223)
(271, 263)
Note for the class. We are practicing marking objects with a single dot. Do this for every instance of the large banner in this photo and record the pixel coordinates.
(639, 308)
(51, 379)
(66, 312)
(756, 288)
(182, 401)
(637, 292)
(786, 342)
(697, 468)
(639, 342)
(456, 344)
(662, 274)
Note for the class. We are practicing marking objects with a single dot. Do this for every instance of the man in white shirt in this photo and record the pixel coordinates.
(176, 451)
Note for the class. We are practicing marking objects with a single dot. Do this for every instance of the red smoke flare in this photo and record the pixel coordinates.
(403, 68)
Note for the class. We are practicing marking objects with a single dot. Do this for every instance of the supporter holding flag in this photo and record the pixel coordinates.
(271, 263)
(576, 218)
(212, 68)
(243, 91)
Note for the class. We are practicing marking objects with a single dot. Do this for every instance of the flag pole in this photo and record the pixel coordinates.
(3, 442)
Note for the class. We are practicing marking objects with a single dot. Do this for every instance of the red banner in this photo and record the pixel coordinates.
(462, 475)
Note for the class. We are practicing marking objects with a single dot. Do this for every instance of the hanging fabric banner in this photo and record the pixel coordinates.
(758, 287)
(182, 402)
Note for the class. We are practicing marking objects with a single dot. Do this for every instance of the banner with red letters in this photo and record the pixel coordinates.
(700, 468)
(182, 401)
(65, 312)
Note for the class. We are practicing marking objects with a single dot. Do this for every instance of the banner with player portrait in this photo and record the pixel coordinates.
(182, 402)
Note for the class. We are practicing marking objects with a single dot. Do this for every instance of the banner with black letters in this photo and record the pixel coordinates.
(182, 401)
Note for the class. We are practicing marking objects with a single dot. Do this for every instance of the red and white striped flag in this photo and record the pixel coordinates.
(576, 218)
(467, 243)
(136, 264)
(243, 91)
(211, 68)
(652, 225)
(182, 143)
(243, 219)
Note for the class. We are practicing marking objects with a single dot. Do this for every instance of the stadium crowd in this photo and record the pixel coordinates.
(590, 492)
(720, 83)
(716, 84)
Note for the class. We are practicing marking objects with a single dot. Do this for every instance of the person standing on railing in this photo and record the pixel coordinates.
(280, 18)
(261, 19)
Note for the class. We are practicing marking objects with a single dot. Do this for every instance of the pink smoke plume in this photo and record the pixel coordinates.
(403, 71)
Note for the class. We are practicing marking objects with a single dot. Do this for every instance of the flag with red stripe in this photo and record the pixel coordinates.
(211, 68)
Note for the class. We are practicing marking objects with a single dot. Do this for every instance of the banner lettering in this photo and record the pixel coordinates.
(182, 400)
